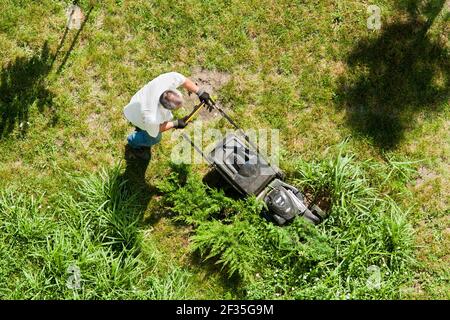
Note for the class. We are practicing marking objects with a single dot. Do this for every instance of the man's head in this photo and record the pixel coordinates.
(171, 99)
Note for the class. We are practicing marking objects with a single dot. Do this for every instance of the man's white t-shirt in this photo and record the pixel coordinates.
(144, 110)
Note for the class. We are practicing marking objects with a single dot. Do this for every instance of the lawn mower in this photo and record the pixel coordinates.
(237, 160)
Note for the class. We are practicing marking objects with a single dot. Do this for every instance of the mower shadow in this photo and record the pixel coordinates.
(74, 41)
(407, 73)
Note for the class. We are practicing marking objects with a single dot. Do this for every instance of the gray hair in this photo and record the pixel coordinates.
(171, 99)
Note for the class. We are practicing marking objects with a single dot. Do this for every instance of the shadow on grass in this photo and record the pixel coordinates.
(213, 268)
(134, 174)
(394, 77)
(130, 196)
(210, 267)
(74, 40)
(158, 208)
(214, 179)
(23, 85)
(429, 8)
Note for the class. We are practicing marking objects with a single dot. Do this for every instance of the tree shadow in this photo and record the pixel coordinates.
(429, 8)
(22, 85)
(394, 77)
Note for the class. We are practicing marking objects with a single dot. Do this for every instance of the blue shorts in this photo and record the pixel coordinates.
(141, 138)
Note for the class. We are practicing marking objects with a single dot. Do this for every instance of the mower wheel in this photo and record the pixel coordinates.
(279, 220)
(318, 212)
(280, 174)
(308, 215)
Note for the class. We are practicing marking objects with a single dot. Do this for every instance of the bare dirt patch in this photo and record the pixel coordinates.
(59, 142)
(446, 232)
(93, 121)
(338, 68)
(425, 175)
(211, 81)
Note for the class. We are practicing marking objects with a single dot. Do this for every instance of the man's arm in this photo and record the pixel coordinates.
(204, 96)
(200, 92)
(166, 126)
(177, 124)
(190, 86)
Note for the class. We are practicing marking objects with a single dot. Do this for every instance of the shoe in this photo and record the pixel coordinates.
(143, 153)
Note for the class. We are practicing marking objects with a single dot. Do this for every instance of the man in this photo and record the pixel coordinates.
(150, 111)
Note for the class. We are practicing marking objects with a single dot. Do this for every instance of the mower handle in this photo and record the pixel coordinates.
(213, 105)
(194, 112)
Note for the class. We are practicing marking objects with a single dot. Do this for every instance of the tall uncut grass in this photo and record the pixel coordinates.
(96, 231)
(363, 250)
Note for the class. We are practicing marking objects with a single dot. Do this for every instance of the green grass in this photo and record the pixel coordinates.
(311, 69)
(97, 231)
(299, 261)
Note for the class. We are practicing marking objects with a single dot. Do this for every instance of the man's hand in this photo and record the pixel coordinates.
(180, 123)
(205, 98)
